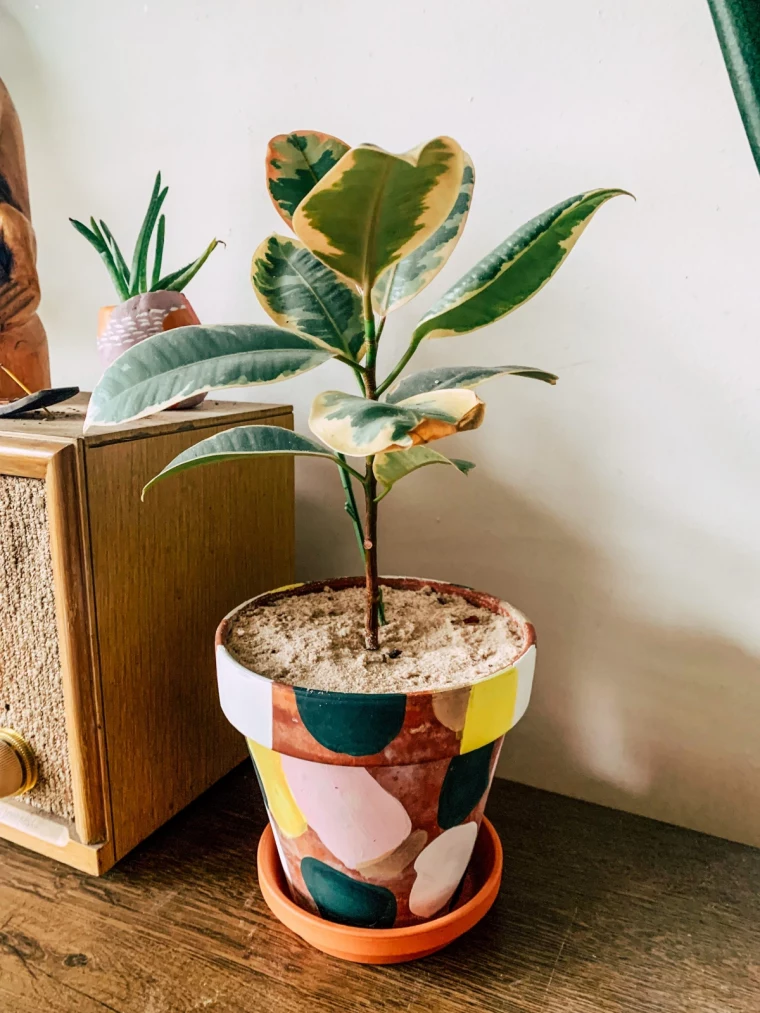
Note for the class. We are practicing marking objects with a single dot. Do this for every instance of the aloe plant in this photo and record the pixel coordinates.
(371, 230)
(131, 281)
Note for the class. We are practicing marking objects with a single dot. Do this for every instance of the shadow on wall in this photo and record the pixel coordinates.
(627, 713)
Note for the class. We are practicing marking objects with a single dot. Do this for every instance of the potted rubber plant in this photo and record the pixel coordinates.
(374, 707)
(150, 301)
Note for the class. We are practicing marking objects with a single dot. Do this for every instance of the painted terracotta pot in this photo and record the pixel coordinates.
(375, 799)
(142, 316)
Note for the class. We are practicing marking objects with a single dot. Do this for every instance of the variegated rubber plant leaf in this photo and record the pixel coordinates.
(449, 377)
(390, 468)
(176, 364)
(301, 293)
(360, 428)
(513, 272)
(373, 208)
(295, 162)
(407, 277)
(244, 442)
(737, 23)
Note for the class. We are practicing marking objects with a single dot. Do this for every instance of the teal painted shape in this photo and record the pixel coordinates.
(348, 901)
(358, 724)
(463, 786)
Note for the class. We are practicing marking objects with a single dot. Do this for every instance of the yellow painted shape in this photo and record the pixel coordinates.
(490, 710)
(282, 806)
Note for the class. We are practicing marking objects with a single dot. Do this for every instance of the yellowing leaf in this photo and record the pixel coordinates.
(360, 427)
(373, 208)
(407, 278)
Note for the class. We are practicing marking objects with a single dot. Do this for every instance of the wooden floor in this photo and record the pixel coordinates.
(599, 912)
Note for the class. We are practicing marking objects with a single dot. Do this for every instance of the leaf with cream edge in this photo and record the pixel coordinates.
(373, 208)
(242, 442)
(295, 162)
(513, 272)
(301, 293)
(360, 427)
(390, 468)
(179, 363)
(409, 276)
(450, 377)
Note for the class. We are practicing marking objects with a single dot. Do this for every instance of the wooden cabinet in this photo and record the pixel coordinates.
(108, 607)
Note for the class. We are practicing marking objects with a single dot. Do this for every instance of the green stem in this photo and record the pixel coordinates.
(350, 505)
(374, 607)
(398, 367)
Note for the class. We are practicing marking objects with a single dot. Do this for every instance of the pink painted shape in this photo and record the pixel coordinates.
(356, 819)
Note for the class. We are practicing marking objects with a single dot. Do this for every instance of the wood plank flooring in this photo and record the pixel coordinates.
(600, 912)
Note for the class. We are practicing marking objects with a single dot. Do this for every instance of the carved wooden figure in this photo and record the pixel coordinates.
(23, 343)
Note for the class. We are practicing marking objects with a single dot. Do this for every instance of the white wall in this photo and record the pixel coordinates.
(619, 509)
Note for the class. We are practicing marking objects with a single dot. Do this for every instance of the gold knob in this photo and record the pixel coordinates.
(18, 766)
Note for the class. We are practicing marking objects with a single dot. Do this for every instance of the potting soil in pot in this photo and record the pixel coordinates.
(431, 641)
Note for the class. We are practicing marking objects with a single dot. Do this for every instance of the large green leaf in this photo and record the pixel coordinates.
(295, 162)
(389, 468)
(737, 23)
(514, 271)
(179, 363)
(409, 276)
(373, 208)
(449, 377)
(243, 441)
(359, 427)
(301, 293)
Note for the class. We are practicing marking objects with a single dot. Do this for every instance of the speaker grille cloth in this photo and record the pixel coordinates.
(31, 683)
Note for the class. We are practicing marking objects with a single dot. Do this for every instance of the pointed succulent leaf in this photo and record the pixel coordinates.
(513, 272)
(301, 293)
(176, 281)
(373, 208)
(409, 276)
(185, 361)
(158, 255)
(139, 269)
(360, 427)
(121, 263)
(389, 468)
(241, 442)
(295, 162)
(449, 377)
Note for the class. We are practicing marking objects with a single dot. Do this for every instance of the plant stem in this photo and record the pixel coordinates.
(398, 367)
(350, 506)
(372, 614)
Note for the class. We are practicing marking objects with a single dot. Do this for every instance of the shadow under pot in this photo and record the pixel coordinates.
(138, 318)
(375, 799)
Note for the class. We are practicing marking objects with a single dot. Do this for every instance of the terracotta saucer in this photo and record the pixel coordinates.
(386, 946)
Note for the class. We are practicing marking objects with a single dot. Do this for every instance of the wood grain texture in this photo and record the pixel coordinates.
(600, 912)
(92, 859)
(27, 456)
(66, 499)
(139, 591)
(68, 417)
(165, 572)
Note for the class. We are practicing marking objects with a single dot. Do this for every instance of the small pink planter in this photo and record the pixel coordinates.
(120, 327)
(375, 799)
